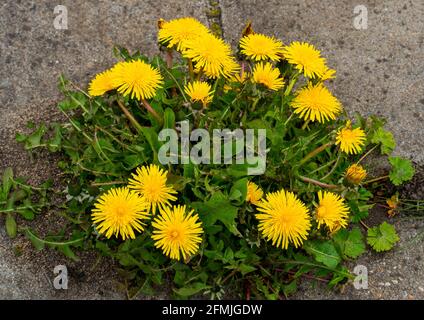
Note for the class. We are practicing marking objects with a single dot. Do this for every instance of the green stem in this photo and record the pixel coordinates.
(109, 183)
(53, 243)
(411, 200)
(152, 111)
(22, 208)
(231, 274)
(94, 171)
(169, 58)
(296, 262)
(323, 166)
(318, 183)
(30, 187)
(315, 152)
(375, 179)
(366, 154)
(113, 137)
(191, 69)
(332, 169)
(305, 124)
(199, 75)
(76, 126)
(215, 85)
(254, 104)
(363, 223)
(288, 119)
(177, 84)
(290, 86)
(130, 117)
(138, 291)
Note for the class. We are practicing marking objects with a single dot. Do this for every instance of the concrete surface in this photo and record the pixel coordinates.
(380, 70)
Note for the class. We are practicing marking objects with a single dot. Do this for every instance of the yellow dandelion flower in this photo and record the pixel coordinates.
(150, 183)
(119, 211)
(283, 219)
(229, 69)
(267, 75)
(261, 47)
(178, 32)
(328, 74)
(176, 232)
(136, 79)
(199, 91)
(351, 140)
(212, 55)
(236, 80)
(101, 84)
(331, 211)
(239, 77)
(254, 193)
(316, 103)
(306, 58)
(355, 173)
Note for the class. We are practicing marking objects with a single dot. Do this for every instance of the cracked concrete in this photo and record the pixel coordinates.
(379, 70)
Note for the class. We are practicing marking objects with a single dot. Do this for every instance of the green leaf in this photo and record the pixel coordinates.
(228, 255)
(152, 138)
(121, 53)
(51, 242)
(342, 274)
(67, 251)
(351, 243)
(238, 191)
(386, 139)
(169, 118)
(189, 170)
(33, 140)
(26, 214)
(245, 269)
(63, 82)
(36, 242)
(382, 237)
(11, 227)
(132, 161)
(258, 124)
(324, 252)
(67, 104)
(7, 181)
(289, 289)
(103, 248)
(55, 142)
(79, 99)
(192, 289)
(218, 208)
(402, 170)
(359, 210)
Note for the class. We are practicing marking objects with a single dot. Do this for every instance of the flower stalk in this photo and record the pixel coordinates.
(318, 183)
(130, 117)
(315, 152)
(152, 111)
(376, 179)
(190, 69)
